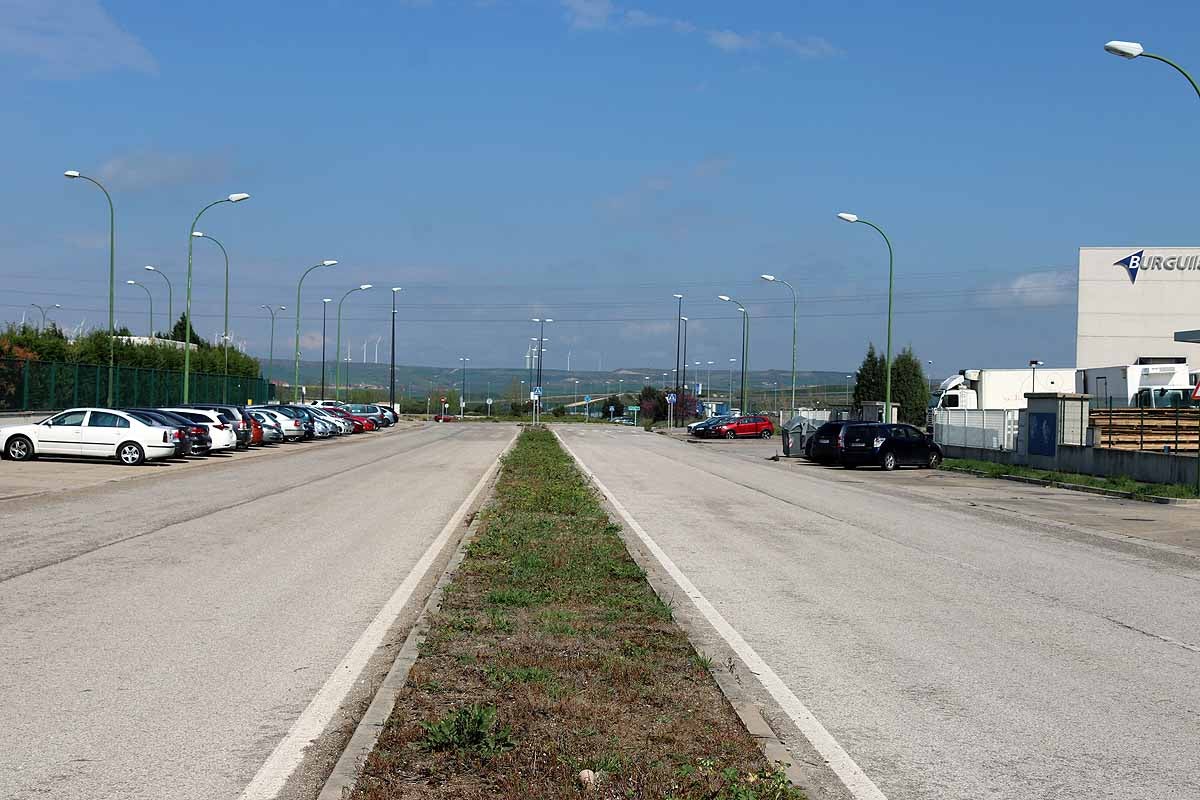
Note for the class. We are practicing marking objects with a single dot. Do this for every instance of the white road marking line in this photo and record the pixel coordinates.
(283, 761)
(848, 772)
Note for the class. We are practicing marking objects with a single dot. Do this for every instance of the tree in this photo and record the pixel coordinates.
(910, 389)
(869, 380)
(653, 403)
(177, 332)
(618, 408)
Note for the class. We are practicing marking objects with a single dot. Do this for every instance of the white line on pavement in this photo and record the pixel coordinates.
(283, 761)
(848, 772)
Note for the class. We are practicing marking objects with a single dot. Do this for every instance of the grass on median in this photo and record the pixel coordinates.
(1116, 484)
(551, 655)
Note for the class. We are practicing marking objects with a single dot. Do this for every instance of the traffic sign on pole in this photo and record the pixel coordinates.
(489, 401)
(671, 398)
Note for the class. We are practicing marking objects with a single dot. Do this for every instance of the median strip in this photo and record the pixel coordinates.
(553, 669)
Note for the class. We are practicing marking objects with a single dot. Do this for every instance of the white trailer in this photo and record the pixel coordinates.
(1137, 385)
(995, 389)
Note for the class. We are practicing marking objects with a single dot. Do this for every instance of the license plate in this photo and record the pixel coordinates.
(822, 441)
(858, 444)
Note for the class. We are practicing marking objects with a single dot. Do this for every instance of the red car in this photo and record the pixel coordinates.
(444, 418)
(360, 423)
(757, 426)
(256, 431)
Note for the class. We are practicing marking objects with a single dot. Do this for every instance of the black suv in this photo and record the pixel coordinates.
(825, 444)
(888, 447)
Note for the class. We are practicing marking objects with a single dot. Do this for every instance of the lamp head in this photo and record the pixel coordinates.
(724, 297)
(132, 283)
(58, 305)
(71, 173)
(1125, 49)
(1034, 363)
(685, 319)
(329, 262)
(844, 217)
(397, 289)
(326, 299)
(198, 234)
(283, 308)
(677, 296)
(366, 286)
(767, 277)
(149, 268)
(238, 197)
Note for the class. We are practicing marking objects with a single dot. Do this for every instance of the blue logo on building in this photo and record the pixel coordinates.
(1131, 264)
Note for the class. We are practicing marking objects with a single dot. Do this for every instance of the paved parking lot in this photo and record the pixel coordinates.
(959, 637)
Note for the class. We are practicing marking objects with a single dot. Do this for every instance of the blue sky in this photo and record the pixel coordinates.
(585, 159)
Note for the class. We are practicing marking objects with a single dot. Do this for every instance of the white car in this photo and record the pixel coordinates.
(224, 437)
(293, 429)
(342, 426)
(98, 432)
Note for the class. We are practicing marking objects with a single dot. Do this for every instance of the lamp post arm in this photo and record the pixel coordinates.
(1178, 68)
(296, 378)
(187, 307)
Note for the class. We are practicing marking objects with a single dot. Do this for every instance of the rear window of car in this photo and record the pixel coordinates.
(829, 429)
(861, 433)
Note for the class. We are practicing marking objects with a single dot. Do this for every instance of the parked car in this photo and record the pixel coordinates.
(237, 416)
(289, 424)
(256, 431)
(358, 424)
(368, 412)
(96, 432)
(220, 428)
(444, 418)
(272, 431)
(701, 428)
(181, 426)
(824, 446)
(755, 425)
(200, 442)
(888, 447)
(343, 426)
(329, 403)
(389, 412)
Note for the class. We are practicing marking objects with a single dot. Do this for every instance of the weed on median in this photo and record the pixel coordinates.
(552, 658)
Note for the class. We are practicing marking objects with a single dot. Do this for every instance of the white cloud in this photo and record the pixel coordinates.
(588, 14)
(69, 38)
(147, 170)
(636, 18)
(808, 47)
(1044, 288)
(732, 41)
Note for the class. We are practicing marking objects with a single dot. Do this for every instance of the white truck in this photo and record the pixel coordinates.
(1156, 385)
(998, 388)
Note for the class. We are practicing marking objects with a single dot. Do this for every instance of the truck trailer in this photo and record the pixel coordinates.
(994, 389)
(1150, 385)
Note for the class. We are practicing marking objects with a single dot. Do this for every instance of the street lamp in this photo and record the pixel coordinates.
(170, 297)
(43, 310)
(729, 394)
(1131, 50)
(773, 279)
(683, 376)
(225, 334)
(462, 401)
(537, 403)
(930, 364)
(187, 308)
(848, 377)
(887, 364)
(271, 356)
(745, 345)
(325, 301)
(337, 378)
(326, 263)
(678, 329)
(72, 174)
(149, 297)
(392, 371)
(1033, 365)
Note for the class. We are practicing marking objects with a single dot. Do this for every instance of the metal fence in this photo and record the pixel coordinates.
(985, 429)
(49, 386)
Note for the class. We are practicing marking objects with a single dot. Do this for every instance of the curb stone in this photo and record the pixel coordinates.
(1076, 487)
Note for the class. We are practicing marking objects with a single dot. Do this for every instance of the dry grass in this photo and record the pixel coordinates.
(552, 655)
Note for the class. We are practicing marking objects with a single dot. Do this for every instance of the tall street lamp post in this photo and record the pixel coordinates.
(187, 307)
(1132, 50)
(773, 279)
(392, 370)
(729, 395)
(848, 390)
(149, 297)
(337, 378)
(225, 331)
(887, 363)
(683, 376)
(271, 356)
(462, 401)
(745, 346)
(170, 297)
(296, 380)
(325, 301)
(537, 404)
(72, 174)
(1033, 365)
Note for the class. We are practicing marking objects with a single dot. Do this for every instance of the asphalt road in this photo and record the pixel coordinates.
(160, 635)
(959, 637)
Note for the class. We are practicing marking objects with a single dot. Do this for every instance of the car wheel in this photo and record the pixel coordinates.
(19, 448)
(131, 454)
(730, 435)
(935, 460)
(889, 461)
(765, 434)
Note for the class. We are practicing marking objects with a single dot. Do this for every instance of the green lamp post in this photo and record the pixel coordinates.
(296, 382)
(225, 327)
(1131, 50)
(887, 363)
(150, 298)
(72, 174)
(338, 349)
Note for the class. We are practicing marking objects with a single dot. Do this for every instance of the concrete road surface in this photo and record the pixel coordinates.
(957, 643)
(159, 637)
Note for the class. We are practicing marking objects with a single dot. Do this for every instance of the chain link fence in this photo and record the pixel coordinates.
(985, 429)
(27, 385)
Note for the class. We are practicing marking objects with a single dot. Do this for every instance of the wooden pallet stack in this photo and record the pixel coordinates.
(1147, 429)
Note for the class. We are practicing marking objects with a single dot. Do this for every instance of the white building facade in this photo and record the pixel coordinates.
(1132, 300)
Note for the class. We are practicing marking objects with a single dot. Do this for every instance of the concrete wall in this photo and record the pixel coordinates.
(1146, 467)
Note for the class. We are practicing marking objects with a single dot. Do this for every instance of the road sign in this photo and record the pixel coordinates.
(443, 399)
(1196, 391)
(612, 409)
(634, 409)
(671, 398)
(537, 391)
(489, 401)
(587, 398)
(533, 395)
